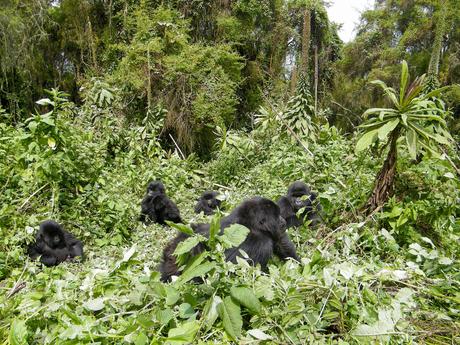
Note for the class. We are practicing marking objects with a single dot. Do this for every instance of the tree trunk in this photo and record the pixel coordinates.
(293, 81)
(149, 82)
(305, 41)
(316, 80)
(384, 182)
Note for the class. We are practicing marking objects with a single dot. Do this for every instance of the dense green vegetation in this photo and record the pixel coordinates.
(97, 98)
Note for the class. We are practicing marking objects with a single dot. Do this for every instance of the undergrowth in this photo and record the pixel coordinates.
(392, 277)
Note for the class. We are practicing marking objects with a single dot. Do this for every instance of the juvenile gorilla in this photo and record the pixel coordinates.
(267, 236)
(300, 196)
(208, 203)
(156, 207)
(54, 244)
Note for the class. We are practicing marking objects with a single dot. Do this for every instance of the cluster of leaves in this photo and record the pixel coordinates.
(416, 115)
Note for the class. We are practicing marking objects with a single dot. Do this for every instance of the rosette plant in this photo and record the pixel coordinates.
(415, 121)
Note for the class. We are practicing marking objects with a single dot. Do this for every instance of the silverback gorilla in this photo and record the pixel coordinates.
(156, 207)
(299, 196)
(208, 203)
(267, 236)
(54, 244)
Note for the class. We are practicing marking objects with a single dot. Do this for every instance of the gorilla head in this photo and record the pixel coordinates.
(208, 203)
(54, 244)
(51, 234)
(156, 187)
(267, 236)
(299, 196)
(157, 207)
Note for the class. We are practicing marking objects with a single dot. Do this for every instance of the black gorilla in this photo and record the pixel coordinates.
(300, 196)
(157, 207)
(54, 244)
(267, 236)
(208, 203)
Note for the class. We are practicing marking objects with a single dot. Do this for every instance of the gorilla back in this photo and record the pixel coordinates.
(54, 244)
(267, 236)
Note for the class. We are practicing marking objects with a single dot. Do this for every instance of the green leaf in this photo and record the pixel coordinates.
(18, 333)
(51, 143)
(141, 339)
(192, 262)
(45, 101)
(187, 245)
(47, 119)
(213, 230)
(384, 325)
(210, 311)
(404, 119)
(246, 297)
(172, 295)
(414, 90)
(411, 140)
(127, 256)
(32, 126)
(404, 81)
(259, 334)
(230, 314)
(95, 304)
(197, 271)
(234, 235)
(366, 140)
(164, 316)
(441, 139)
(437, 92)
(387, 128)
(183, 334)
(385, 111)
(181, 227)
(72, 315)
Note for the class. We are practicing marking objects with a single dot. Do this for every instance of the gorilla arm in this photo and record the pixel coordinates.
(284, 248)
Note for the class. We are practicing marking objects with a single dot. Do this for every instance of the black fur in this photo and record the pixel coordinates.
(54, 244)
(208, 203)
(156, 207)
(300, 196)
(267, 236)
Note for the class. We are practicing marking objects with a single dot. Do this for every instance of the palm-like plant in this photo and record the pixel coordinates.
(417, 117)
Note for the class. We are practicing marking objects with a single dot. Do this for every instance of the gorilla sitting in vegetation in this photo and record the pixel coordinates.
(300, 196)
(208, 203)
(267, 236)
(156, 207)
(54, 244)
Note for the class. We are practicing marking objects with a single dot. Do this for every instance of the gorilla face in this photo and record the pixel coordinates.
(156, 187)
(299, 203)
(298, 189)
(52, 235)
(299, 198)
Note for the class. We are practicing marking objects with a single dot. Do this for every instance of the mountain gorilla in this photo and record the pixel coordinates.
(157, 207)
(267, 236)
(300, 196)
(208, 203)
(54, 244)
